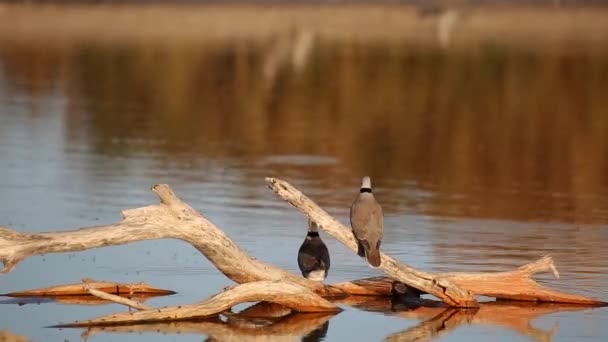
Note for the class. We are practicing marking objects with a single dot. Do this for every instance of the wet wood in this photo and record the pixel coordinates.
(294, 296)
(131, 289)
(378, 286)
(455, 289)
(82, 300)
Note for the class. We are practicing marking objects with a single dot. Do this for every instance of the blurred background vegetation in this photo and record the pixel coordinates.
(499, 106)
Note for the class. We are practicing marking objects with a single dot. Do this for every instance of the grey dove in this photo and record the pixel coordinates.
(367, 222)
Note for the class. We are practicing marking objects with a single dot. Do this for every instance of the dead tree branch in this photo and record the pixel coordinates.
(296, 297)
(175, 219)
(455, 289)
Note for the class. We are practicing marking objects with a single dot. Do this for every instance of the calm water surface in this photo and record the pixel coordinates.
(484, 160)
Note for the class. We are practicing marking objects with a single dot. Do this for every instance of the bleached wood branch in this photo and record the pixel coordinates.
(296, 297)
(175, 219)
(116, 299)
(171, 219)
(455, 289)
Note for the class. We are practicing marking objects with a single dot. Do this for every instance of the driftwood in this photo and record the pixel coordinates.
(513, 285)
(455, 289)
(286, 326)
(150, 223)
(105, 286)
(291, 295)
(117, 299)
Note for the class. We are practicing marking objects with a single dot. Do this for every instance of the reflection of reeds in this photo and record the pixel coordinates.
(496, 125)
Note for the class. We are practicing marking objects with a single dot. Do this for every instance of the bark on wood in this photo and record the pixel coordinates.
(291, 295)
(455, 289)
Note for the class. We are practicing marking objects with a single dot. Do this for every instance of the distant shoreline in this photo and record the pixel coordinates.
(462, 25)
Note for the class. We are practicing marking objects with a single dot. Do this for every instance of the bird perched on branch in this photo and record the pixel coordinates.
(367, 222)
(313, 256)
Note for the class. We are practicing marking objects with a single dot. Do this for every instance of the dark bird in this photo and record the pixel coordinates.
(367, 222)
(313, 256)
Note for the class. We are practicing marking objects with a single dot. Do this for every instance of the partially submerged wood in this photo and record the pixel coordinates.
(440, 287)
(82, 300)
(510, 285)
(117, 299)
(291, 295)
(378, 286)
(173, 218)
(455, 289)
(290, 328)
(130, 289)
(434, 322)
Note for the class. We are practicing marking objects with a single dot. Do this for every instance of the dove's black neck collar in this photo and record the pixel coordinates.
(365, 190)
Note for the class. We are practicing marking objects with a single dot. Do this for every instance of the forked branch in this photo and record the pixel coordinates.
(455, 289)
(173, 218)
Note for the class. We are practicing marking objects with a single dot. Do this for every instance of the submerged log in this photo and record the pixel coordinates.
(296, 297)
(173, 218)
(80, 289)
(510, 285)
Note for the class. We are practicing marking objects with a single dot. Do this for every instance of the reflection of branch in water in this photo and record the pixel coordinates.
(290, 327)
(439, 320)
(318, 334)
(514, 316)
(436, 326)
